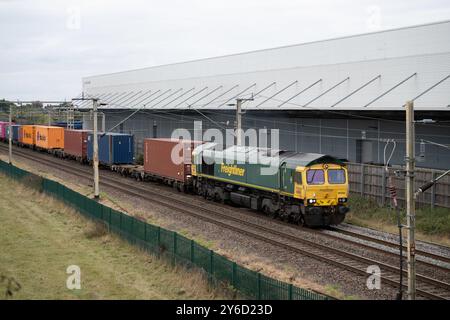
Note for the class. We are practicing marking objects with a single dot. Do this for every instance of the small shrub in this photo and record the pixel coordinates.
(96, 230)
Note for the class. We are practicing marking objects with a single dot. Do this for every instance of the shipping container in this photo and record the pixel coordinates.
(28, 135)
(113, 148)
(16, 131)
(49, 137)
(169, 158)
(75, 143)
(4, 129)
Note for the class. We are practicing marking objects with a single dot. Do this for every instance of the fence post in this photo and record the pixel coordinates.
(192, 251)
(233, 275)
(132, 231)
(211, 263)
(362, 181)
(290, 291)
(174, 247)
(109, 220)
(433, 190)
(159, 240)
(259, 287)
(120, 224)
(145, 232)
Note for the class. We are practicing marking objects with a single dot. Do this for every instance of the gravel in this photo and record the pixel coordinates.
(394, 238)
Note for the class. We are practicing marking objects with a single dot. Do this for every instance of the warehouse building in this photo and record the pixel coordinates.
(342, 96)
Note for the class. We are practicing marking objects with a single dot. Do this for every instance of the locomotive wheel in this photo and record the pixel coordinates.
(301, 221)
(273, 214)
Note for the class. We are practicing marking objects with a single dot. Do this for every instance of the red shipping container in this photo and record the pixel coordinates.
(75, 143)
(159, 160)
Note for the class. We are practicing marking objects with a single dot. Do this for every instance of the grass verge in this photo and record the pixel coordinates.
(432, 225)
(40, 237)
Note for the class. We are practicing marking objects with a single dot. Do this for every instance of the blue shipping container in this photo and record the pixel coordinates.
(113, 148)
(15, 131)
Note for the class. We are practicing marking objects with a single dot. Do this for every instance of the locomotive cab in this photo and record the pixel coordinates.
(323, 189)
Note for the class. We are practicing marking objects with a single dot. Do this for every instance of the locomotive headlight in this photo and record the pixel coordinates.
(342, 200)
(311, 201)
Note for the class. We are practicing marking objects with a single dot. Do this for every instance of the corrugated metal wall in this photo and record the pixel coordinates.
(344, 138)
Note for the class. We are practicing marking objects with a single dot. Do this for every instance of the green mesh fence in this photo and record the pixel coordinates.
(168, 243)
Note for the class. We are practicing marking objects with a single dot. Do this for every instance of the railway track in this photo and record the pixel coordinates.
(426, 287)
(390, 244)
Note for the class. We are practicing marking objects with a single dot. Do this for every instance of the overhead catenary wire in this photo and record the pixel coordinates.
(292, 123)
(437, 144)
(87, 95)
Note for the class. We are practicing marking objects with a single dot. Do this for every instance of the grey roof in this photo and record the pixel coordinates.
(308, 159)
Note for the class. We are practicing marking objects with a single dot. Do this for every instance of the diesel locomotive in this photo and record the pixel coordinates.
(305, 188)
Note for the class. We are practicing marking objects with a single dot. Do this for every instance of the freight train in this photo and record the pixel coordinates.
(303, 188)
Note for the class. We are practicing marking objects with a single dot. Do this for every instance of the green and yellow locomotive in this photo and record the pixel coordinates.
(305, 188)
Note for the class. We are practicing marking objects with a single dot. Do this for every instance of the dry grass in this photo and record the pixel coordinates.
(40, 237)
(431, 225)
(96, 230)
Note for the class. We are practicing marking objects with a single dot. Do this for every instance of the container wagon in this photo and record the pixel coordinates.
(113, 148)
(28, 137)
(169, 161)
(49, 138)
(75, 144)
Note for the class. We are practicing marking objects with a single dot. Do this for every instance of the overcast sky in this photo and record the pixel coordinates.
(46, 46)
